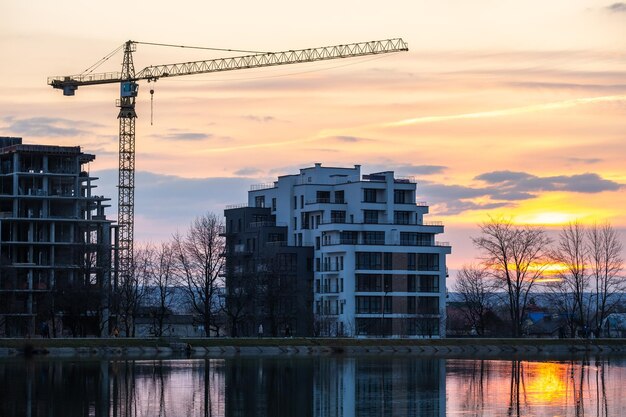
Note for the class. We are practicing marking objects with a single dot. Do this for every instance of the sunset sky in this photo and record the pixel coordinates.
(500, 107)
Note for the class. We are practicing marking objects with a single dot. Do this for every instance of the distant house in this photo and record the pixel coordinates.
(546, 326)
(614, 325)
(174, 325)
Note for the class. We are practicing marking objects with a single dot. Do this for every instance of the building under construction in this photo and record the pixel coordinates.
(55, 243)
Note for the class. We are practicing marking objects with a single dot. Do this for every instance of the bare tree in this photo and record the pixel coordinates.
(161, 273)
(472, 283)
(131, 291)
(241, 296)
(515, 255)
(568, 289)
(607, 263)
(199, 265)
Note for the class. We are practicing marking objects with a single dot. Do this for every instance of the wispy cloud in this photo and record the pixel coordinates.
(247, 172)
(177, 135)
(350, 139)
(47, 127)
(507, 112)
(617, 8)
(260, 119)
(584, 160)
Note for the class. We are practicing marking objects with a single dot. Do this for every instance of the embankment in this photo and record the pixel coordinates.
(224, 347)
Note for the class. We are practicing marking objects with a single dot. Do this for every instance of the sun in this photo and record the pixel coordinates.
(546, 218)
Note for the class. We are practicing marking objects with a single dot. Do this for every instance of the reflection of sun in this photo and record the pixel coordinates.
(546, 382)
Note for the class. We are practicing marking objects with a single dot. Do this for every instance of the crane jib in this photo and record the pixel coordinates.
(69, 84)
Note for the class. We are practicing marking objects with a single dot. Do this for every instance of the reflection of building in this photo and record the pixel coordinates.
(356, 386)
(54, 241)
(267, 282)
(378, 270)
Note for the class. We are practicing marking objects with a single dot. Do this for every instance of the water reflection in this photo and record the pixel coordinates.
(524, 388)
(321, 387)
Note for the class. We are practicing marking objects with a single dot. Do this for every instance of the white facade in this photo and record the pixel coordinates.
(378, 270)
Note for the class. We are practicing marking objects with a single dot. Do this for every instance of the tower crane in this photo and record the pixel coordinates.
(129, 88)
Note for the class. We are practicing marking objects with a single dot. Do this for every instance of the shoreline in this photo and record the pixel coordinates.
(166, 348)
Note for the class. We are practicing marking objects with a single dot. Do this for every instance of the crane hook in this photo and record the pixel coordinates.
(151, 106)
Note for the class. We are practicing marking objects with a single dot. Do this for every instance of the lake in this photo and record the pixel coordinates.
(342, 386)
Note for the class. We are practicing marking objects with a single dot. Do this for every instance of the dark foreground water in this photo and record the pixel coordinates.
(320, 386)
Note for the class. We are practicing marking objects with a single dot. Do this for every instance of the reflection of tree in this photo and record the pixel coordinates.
(477, 379)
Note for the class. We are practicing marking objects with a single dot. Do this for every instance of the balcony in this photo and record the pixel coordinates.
(329, 289)
(326, 201)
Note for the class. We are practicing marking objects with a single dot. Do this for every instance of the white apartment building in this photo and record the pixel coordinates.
(378, 270)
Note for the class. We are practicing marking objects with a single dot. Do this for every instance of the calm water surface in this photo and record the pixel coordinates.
(322, 386)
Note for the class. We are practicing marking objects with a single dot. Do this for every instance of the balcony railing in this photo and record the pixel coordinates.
(264, 186)
(336, 242)
(236, 206)
(326, 201)
(267, 224)
(397, 223)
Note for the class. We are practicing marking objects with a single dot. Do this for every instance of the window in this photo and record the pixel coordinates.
(427, 305)
(337, 216)
(273, 204)
(388, 261)
(387, 284)
(410, 305)
(411, 262)
(411, 283)
(323, 196)
(423, 283)
(370, 216)
(369, 195)
(388, 304)
(317, 264)
(416, 239)
(369, 260)
(259, 201)
(401, 196)
(275, 237)
(373, 238)
(402, 217)
(369, 282)
(301, 201)
(339, 197)
(348, 238)
(368, 304)
(428, 262)
(317, 242)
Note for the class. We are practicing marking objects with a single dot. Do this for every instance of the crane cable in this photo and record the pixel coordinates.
(201, 47)
(90, 69)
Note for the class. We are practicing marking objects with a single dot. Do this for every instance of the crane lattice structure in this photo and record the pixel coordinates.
(129, 88)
